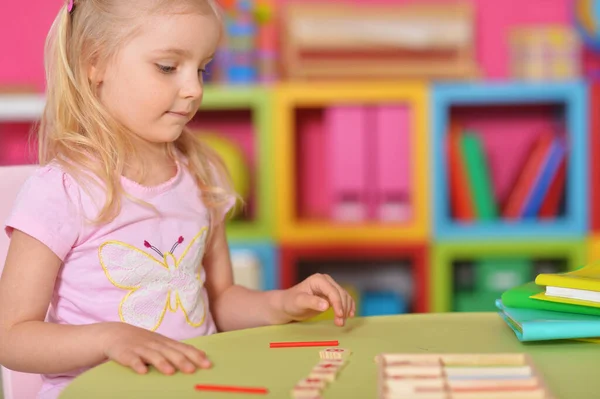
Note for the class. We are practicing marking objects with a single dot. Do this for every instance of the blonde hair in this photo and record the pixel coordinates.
(79, 133)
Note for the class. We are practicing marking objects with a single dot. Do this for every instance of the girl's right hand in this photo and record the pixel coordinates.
(138, 348)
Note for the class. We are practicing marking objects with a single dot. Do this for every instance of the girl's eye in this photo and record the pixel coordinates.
(202, 72)
(165, 68)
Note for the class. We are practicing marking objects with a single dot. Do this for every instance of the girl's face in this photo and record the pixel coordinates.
(154, 84)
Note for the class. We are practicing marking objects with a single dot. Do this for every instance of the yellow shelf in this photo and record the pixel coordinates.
(593, 248)
(289, 96)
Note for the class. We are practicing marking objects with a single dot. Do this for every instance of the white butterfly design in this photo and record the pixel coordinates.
(156, 285)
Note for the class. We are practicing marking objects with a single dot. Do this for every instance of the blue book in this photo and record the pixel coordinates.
(542, 184)
(541, 325)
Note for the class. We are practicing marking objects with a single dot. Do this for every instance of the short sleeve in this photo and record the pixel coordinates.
(47, 208)
(229, 200)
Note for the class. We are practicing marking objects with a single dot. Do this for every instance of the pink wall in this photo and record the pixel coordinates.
(23, 47)
(23, 29)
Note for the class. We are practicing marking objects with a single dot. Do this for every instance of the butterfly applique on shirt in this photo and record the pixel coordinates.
(154, 284)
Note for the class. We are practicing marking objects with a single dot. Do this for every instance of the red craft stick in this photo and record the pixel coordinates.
(301, 344)
(228, 388)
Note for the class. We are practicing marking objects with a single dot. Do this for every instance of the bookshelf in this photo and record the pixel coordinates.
(301, 150)
(507, 118)
(399, 271)
(515, 260)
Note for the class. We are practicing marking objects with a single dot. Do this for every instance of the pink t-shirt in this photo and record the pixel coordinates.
(142, 268)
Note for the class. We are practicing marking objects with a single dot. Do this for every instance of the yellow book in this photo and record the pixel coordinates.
(586, 278)
(579, 287)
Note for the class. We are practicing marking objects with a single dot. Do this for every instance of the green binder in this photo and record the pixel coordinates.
(519, 297)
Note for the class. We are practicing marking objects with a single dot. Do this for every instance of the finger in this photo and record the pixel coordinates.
(157, 359)
(349, 302)
(195, 355)
(132, 360)
(313, 302)
(343, 296)
(178, 358)
(353, 309)
(323, 285)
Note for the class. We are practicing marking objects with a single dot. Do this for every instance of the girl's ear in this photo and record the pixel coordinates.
(94, 75)
(95, 71)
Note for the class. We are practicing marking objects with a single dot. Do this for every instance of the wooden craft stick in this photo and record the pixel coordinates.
(422, 395)
(532, 394)
(492, 359)
(500, 388)
(229, 388)
(413, 384)
(293, 344)
(410, 371)
(386, 358)
(487, 371)
(484, 383)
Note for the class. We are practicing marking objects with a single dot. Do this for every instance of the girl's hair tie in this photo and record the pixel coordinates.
(70, 6)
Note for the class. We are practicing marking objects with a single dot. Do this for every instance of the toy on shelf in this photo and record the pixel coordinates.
(366, 41)
(587, 23)
(487, 279)
(255, 264)
(233, 158)
(248, 53)
(382, 279)
(267, 51)
(469, 276)
(246, 269)
(380, 303)
(545, 53)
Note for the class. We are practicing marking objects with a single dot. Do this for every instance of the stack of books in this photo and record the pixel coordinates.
(555, 306)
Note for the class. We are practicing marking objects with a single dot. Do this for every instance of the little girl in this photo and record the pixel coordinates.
(118, 247)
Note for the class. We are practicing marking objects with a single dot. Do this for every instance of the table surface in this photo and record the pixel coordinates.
(570, 368)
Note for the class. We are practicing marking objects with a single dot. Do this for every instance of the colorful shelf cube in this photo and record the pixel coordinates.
(515, 100)
(344, 258)
(292, 99)
(444, 255)
(258, 101)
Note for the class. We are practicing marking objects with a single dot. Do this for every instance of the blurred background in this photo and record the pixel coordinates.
(428, 155)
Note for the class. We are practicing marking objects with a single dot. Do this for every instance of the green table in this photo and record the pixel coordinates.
(570, 368)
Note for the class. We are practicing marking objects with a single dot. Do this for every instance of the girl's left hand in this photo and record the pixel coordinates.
(315, 295)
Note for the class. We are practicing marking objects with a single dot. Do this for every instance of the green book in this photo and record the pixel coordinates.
(519, 297)
(479, 177)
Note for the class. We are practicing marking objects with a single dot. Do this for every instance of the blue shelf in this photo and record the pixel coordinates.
(268, 255)
(573, 95)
